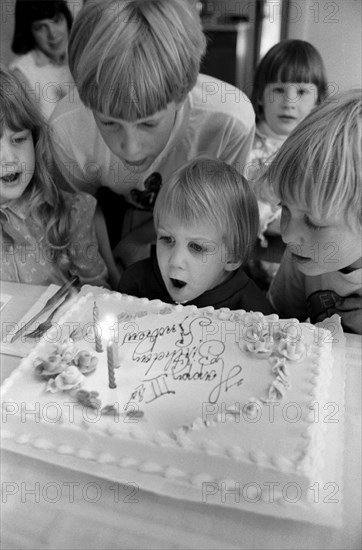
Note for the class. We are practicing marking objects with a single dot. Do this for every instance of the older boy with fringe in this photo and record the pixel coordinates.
(143, 109)
(317, 176)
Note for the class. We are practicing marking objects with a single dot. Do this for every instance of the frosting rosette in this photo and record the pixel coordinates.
(67, 352)
(85, 361)
(277, 390)
(279, 366)
(70, 379)
(262, 348)
(294, 350)
(259, 337)
(49, 367)
(60, 356)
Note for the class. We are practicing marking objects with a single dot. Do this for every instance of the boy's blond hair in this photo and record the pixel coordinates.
(131, 58)
(319, 165)
(212, 191)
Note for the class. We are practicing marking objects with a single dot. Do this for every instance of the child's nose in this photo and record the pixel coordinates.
(52, 31)
(177, 257)
(8, 154)
(290, 230)
(289, 100)
(131, 145)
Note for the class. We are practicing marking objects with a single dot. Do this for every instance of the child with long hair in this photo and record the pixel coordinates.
(206, 221)
(317, 177)
(46, 235)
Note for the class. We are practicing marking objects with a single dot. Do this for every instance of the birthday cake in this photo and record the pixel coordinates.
(185, 398)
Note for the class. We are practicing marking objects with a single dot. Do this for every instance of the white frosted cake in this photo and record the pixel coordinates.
(199, 399)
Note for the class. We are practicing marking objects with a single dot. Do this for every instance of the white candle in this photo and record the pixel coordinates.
(111, 365)
(97, 329)
(112, 330)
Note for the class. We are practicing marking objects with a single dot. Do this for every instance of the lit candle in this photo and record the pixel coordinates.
(97, 331)
(112, 330)
(111, 365)
(116, 357)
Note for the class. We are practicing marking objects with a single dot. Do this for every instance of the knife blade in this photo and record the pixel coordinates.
(48, 305)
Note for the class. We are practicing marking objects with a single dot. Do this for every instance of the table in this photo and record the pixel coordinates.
(52, 507)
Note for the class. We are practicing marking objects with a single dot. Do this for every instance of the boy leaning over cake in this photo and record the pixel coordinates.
(206, 220)
(317, 176)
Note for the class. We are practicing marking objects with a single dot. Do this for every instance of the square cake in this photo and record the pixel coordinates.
(191, 401)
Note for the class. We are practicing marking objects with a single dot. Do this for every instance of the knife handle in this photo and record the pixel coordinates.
(49, 304)
(61, 292)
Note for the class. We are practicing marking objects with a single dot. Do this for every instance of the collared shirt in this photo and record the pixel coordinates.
(266, 145)
(25, 257)
(294, 294)
(216, 120)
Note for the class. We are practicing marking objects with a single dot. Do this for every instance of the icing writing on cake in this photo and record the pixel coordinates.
(191, 358)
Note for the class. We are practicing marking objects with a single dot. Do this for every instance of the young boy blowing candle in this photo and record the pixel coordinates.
(206, 221)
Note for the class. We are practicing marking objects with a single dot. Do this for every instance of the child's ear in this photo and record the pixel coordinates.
(232, 266)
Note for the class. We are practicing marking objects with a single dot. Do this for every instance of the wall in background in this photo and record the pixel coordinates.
(7, 8)
(334, 28)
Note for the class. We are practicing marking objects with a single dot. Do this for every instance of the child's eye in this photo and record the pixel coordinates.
(196, 247)
(285, 209)
(302, 91)
(40, 27)
(165, 239)
(107, 123)
(278, 90)
(149, 124)
(20, 138)
(310, 224)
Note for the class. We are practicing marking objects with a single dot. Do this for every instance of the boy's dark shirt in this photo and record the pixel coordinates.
(144, 280)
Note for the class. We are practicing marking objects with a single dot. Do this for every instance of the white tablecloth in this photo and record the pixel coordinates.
(50, 507)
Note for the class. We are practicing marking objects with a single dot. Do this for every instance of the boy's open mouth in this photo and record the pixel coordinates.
(301, 259)
(177, 283)
(9, 178)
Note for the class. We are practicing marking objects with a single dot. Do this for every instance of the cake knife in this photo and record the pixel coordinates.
(49, 304)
